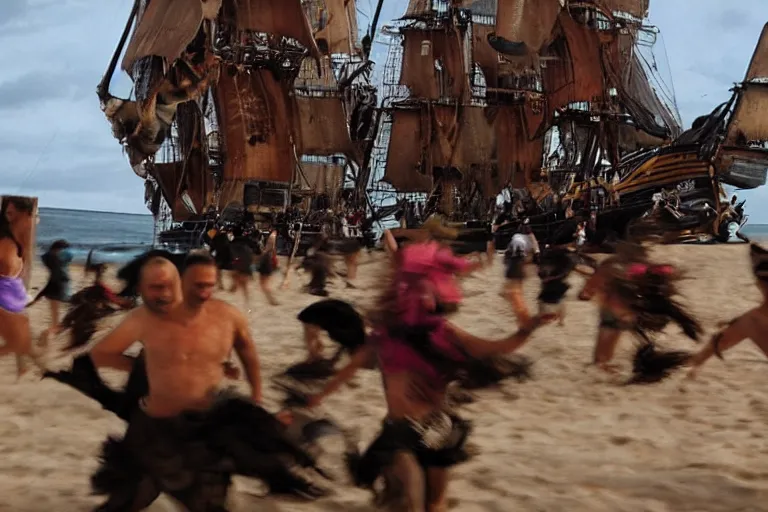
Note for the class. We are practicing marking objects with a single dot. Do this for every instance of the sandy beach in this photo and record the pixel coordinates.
(570, 440)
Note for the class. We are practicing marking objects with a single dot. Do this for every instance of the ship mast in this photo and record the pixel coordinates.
(476, 113)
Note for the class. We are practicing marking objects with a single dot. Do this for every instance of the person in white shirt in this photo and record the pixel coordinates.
(522, 245)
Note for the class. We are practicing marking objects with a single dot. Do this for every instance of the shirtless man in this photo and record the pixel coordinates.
(752, 325)
(186, 344)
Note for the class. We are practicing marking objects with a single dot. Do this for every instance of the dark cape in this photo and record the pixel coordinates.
(87, 307)
(193, 456)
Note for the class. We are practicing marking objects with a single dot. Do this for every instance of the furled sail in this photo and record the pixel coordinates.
(322, 178)
(186, 177)
(165, 29)
(743, 159)
(577, 74)
(484, 55)
(636, 8)
(643, 103)
(749, 124)
(337, 27)
(285, 18)
(408, 137)
(527, 21)
(255, 124)
(422, 8)
(322, 126)
(519, 158)
(320, 117)
(433, 63)
(462, 136)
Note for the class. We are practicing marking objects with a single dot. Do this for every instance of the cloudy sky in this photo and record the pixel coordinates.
(56, 144)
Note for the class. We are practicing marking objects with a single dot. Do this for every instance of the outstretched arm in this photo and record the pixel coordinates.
(389, 242)
(594, 283)
(246, 351)
(110, 351)
(738, 330)
(480, 348)
(360, 358)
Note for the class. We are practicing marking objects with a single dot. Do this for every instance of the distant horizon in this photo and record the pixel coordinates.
(93, 211)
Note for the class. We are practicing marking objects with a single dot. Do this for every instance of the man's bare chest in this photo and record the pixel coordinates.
(189, 342)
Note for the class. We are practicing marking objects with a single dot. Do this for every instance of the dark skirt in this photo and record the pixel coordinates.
(267, 264)
(553, 292)
(339, 319)
(514, 268)
(439, 447)
(344, 246)
(193, 456)
(84, 377)
(56, 290)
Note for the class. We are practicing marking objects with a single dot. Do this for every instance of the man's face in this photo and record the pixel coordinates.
(198, 283)
(160, 288)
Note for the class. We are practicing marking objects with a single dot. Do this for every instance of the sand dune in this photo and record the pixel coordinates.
(570, 440)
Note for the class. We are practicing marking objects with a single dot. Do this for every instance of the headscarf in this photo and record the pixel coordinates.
(426, 277)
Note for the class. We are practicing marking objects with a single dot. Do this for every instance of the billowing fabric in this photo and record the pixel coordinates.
(193, 456)
(87, 307)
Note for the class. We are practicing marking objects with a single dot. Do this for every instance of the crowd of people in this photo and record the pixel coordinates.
(187, 433)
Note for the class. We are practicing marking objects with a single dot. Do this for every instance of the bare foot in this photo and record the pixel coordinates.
(44, 339)
(21, 367)
(611, 369)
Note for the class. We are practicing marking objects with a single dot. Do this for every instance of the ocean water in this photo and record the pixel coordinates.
(756, 231)
(116, 237)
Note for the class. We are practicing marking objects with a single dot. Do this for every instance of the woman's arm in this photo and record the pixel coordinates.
(360, 358)
(480, 348)
(389, 242)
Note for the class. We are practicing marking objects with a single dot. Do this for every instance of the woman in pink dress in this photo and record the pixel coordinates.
(419, 353)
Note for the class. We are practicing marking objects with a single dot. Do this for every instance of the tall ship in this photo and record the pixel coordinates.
(245, 110)
(558, 106)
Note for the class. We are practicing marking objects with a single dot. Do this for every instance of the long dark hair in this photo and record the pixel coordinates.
(22, 204)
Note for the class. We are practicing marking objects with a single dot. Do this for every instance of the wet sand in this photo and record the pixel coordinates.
(570, 440)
